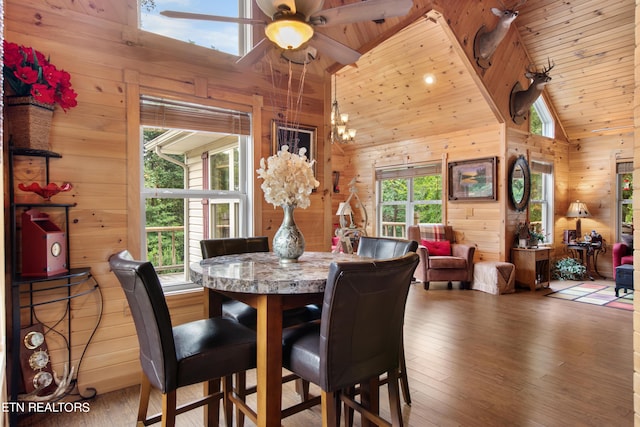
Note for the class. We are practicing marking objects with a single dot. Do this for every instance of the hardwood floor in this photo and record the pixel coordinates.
(475, 359)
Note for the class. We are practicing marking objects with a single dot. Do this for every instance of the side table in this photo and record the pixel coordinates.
(624, 278)
(533, 267)
(587, 253)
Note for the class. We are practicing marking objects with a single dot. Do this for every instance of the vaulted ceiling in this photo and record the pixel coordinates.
(591, 43)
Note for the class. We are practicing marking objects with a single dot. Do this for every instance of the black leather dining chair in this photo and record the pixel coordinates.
(201, 351)
(383, 248)
(358, 336)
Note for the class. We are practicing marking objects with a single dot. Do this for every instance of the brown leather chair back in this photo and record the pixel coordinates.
(362, 318)
(151, 317)
(385, 247)
(233, 245)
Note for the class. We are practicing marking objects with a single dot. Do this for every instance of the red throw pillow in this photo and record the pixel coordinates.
(437, 248)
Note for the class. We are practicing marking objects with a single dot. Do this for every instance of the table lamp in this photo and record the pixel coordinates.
(578, 210)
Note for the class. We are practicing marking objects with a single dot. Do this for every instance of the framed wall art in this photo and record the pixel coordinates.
(473, 180)
(295, 137)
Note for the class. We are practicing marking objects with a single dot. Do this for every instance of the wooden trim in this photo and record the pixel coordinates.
(134, 214)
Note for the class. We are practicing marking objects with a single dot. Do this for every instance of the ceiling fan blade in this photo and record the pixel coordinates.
(203, 17)
(369, 10)
(270, 7)
(336, 50)
(309, 7)
(255, 54)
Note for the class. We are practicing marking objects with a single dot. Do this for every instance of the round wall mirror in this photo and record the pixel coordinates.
(520, 183)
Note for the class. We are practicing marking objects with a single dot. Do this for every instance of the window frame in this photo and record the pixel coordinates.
(408, 173)
(546, 169)
(245, 31)
(546, 118)
(244, 196)
(623, 167)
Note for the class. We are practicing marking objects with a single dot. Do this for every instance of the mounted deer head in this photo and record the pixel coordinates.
(486, 42)
(521, 100)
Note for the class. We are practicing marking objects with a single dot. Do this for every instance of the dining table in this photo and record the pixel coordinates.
(260, 280)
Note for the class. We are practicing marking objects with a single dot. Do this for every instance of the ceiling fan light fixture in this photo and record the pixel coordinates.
(289, 31)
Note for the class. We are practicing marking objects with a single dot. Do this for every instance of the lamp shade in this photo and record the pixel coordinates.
(578, 209)
(289, 32)
(344, 209)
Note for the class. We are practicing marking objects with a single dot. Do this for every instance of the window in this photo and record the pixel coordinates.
(541, 121)
(226, 37)
(406, 196)
(624, 173)
(541, 201)
(196, 182)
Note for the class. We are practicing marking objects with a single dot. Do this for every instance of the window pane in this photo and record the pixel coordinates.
(535, 124)
(625, 204)
(394, 190)
(225, 219)
(222, 36)
(428, 213)
(393, 220)
(165, 234)
(537, 192)
(220, 171)
(427, 187)
(160, 172)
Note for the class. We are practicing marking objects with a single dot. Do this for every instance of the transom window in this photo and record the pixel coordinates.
(226, 37)
(408, 195)
(541, 121)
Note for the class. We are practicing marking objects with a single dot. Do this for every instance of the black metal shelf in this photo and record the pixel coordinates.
(74, 283)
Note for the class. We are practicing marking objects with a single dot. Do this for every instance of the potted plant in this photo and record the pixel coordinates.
(35, 87)
(568, 269)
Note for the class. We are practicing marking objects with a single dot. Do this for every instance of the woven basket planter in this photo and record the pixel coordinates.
(29, 122)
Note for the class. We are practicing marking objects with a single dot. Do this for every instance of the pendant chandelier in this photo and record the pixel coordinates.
(340, 132)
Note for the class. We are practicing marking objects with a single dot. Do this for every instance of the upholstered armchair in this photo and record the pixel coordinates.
(622, 254)
(457, 265)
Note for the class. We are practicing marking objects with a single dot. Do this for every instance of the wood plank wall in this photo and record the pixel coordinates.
(110, 62)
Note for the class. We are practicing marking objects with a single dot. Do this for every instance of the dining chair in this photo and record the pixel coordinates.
(383, 248)
(358, 337)
(201, 351)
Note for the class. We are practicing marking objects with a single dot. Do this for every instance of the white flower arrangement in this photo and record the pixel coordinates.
(288, 178)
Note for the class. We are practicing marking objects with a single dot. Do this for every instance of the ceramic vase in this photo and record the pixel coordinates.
(288, 243)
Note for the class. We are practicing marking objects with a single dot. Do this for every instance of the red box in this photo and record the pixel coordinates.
(44, 246)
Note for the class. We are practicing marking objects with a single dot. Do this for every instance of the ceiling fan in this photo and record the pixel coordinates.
(293, 24)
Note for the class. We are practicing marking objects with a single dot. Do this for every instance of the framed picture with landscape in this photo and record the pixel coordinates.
(295, 136)
(473, 180)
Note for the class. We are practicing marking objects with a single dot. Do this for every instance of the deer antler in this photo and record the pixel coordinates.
(519, 4)
(63, 384)
(546, 70)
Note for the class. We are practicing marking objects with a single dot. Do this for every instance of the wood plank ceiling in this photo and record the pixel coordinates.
(591, 43)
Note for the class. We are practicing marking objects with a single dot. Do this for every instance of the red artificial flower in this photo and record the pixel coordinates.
(12, 55)
(26, 74)
(29, 72)
(43, 93)
(67, 99)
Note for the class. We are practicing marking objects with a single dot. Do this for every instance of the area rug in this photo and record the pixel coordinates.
(597, 294)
